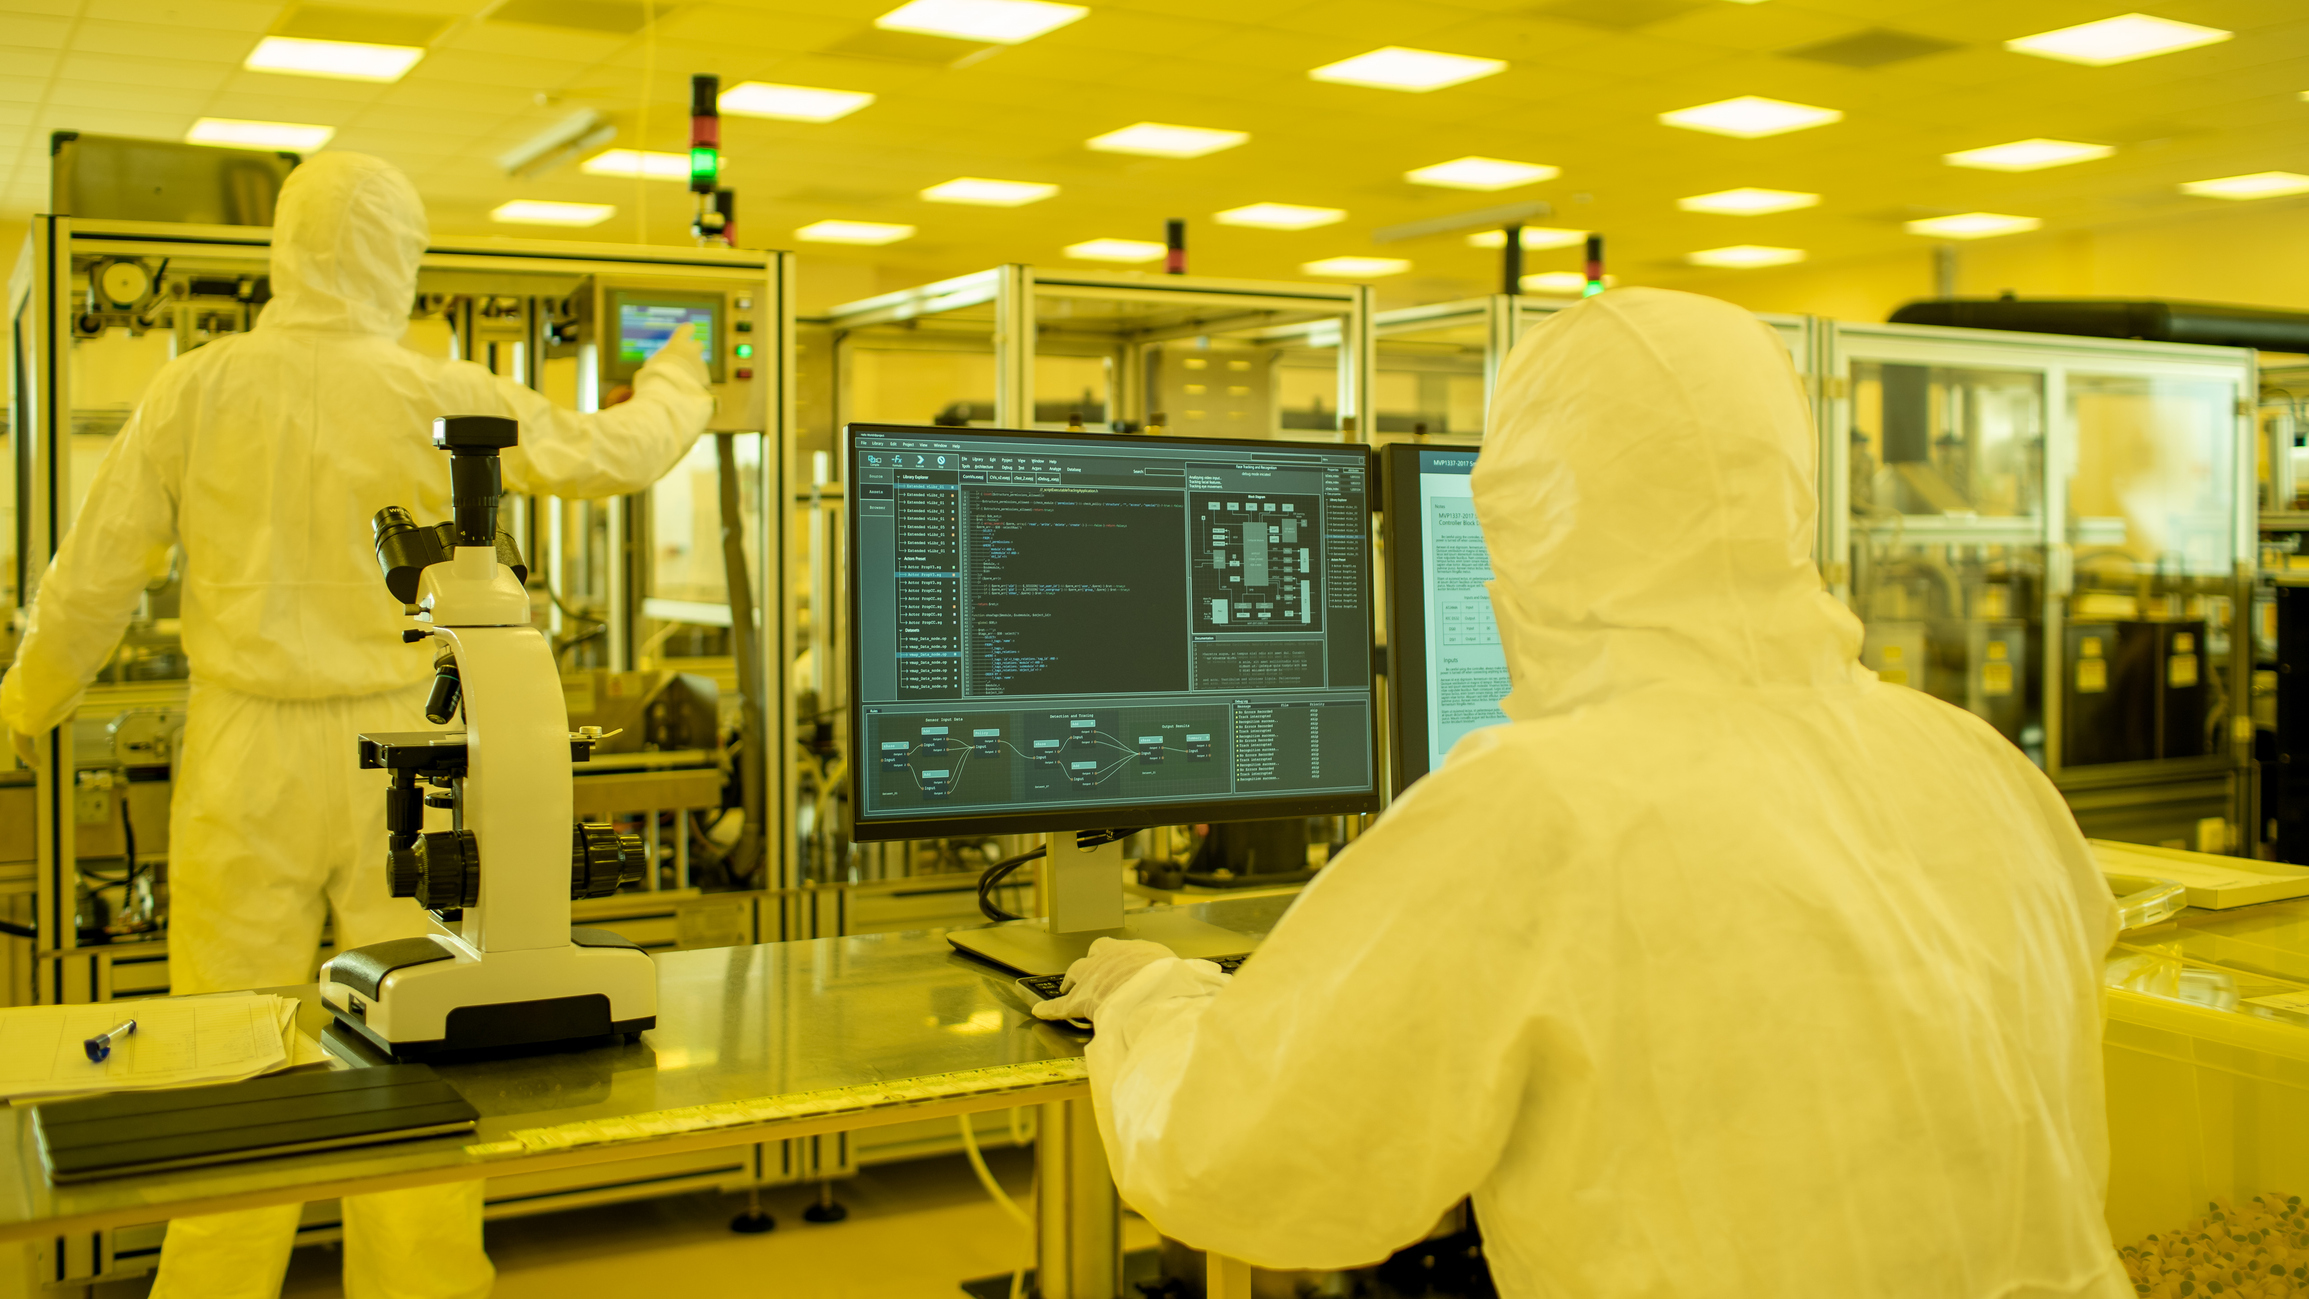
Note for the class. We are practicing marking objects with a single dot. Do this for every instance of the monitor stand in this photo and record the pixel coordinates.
(1086, 905)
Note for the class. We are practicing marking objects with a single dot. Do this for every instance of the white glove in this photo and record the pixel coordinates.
(1112, 963)
(682, 355)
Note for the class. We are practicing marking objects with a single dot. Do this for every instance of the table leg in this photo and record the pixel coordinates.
(1226, 1278)
(1078, 1218)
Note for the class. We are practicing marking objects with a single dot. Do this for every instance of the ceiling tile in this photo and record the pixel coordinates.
(143, 39)
(218, 15)
(22, 90)
(1381, 22)
(178, 74)
(15, 62)
(36, 31)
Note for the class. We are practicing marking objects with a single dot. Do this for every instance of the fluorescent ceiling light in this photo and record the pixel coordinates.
(1748, 202)
(996, 22)
(342, 60)
(1482, 173)
(633, 162)
(989, 193)
(2117, 40)
(853, 232)
(1156, 140)
(294, 137)
(1745, 255)
(1533, 237)
(1972, 225)
(1750, 117)
(1279, 216)
(1116, 250)
(791, 103)
(2027, 155)
(1396, 68)
(1357, 268)
(1567, 283)
(536, 212)
(2260, 184)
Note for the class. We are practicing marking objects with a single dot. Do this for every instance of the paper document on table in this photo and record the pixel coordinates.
(179, 1041)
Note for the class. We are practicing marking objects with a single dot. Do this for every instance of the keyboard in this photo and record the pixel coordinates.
(1048, 987)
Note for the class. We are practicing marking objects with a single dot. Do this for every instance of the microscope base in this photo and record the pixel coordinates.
(1031, 948)
(420, 998)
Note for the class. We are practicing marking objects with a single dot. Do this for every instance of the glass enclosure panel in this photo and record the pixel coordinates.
(929, 370)
(2151, 519)
(15, 419)
(1960, 621)
(1430, 381)
(1185, 364)
(1946, 440)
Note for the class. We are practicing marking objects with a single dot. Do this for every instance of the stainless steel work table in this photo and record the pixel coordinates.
(830, 1035)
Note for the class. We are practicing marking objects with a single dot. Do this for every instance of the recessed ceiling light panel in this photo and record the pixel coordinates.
(1533, 237)
(1750, 117)
(1279, 216)
(1972, 225)
(980, 192)
(634, 162)
(1116, 250)
(537, 212)
(2117, 40)
(995, 22)
(1744, 256)
(1356, 268)
(1748, 202)
(1482, 173)
(870, 233)
(1397, 68)
(1156, 140)
(295, 137)
(2027, 155)
(339, 60)
(791, 103)
(2259, 184)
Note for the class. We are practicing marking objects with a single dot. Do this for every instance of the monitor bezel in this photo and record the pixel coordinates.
(616, 370)
(883, 830)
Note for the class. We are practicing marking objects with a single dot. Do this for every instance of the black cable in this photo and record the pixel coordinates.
(18, 931)
(992, 879)
(127, 833)
(995, 874)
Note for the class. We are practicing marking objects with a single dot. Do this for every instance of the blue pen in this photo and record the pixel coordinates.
(100, 1047)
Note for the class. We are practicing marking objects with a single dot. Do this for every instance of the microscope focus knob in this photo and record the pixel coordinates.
(448, 870)
(602, 861)
(401, 873)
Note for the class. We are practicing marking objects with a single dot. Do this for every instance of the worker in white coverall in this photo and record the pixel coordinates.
(264, 456)
(1723, 969)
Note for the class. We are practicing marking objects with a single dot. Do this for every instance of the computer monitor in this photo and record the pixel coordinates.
(1446, 672)
(1066, 632)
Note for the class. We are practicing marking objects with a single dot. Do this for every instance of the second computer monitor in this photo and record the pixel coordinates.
(1069, 632)
(1446, 671)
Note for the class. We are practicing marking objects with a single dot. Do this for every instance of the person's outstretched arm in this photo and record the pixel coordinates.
(610, 452)
(1365, 1069)
(119, 540)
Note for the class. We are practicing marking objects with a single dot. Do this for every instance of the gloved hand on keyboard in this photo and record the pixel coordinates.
(1112, 963)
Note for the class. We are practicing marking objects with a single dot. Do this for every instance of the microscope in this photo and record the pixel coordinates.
(502, 968)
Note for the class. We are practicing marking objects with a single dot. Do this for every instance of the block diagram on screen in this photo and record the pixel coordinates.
(1045, 756)
(1258, 563)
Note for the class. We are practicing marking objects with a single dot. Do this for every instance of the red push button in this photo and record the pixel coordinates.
(745, 372)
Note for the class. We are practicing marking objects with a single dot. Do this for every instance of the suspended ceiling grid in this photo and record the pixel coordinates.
(1585, 83)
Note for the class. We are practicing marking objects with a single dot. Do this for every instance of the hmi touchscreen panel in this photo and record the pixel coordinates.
(1059, 631)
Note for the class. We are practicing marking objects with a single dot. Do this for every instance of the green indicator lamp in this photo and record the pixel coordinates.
(745, 350)
(1594, 267)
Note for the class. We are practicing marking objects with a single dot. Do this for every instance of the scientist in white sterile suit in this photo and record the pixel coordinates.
(1722, 970)
(264, 456)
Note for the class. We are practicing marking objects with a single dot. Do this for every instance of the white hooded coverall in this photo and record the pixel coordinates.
(1722, 970)
(264, 456)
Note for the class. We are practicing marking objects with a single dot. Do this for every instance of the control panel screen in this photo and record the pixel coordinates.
(1085, 632)
(642, 322)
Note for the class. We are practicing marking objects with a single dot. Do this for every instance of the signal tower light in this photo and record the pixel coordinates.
(711, 224)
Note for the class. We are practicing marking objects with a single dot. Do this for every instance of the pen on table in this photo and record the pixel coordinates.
(100, 1046)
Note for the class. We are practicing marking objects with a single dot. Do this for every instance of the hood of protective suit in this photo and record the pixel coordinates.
(1646, 490)
(347, 236)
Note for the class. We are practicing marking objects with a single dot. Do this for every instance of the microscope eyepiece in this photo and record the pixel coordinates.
(476, 482)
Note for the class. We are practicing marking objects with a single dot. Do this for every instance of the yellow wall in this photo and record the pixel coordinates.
(2255, 254)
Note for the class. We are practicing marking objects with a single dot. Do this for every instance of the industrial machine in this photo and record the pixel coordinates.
(512, 972)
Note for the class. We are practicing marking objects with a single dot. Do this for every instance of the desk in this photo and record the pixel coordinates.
(875, 1016)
